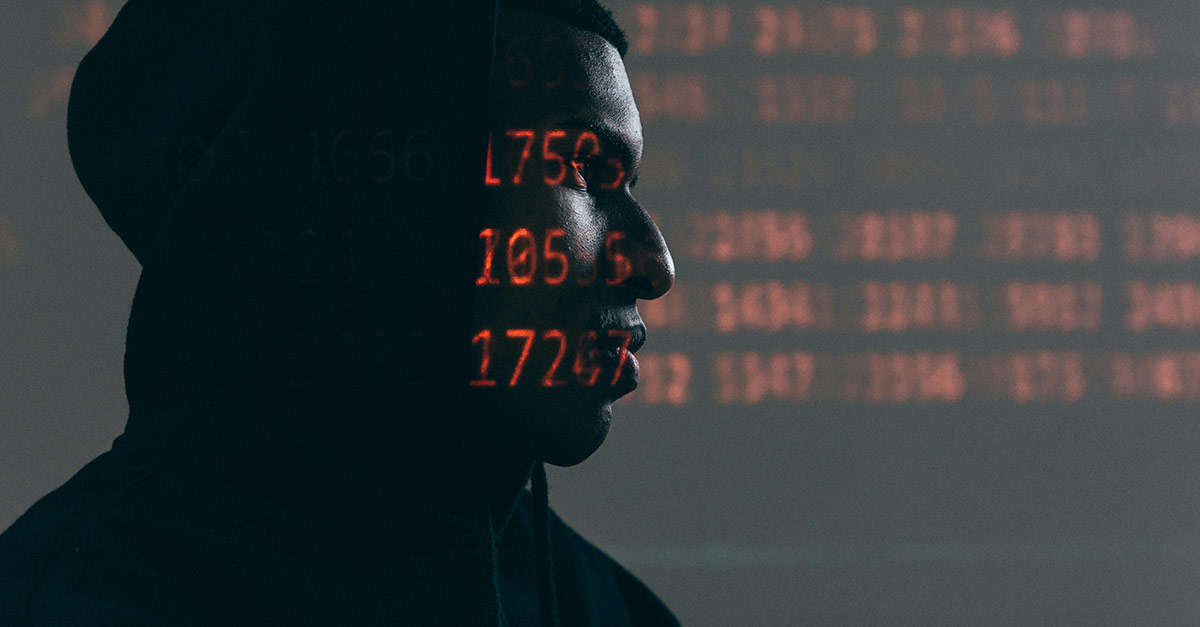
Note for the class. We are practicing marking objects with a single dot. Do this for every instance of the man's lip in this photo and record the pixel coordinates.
(637, 337)
(624, 380)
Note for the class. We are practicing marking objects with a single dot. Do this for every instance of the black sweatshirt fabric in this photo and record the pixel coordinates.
(300, 181)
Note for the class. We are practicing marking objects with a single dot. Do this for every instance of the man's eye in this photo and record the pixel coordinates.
(583, 170)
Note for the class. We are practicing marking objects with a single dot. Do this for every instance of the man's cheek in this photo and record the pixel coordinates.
(522, 267)
(586, 247)
(512, 362)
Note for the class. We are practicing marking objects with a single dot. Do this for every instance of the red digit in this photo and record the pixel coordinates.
(549, 156)
(587, 374)
(527, 335)
(526, 259)
(489, 239)
(622, 267)
(489, 179)
(549, 380)
(548, 254)
(620, 168)
(626, 337)
(484, 337)
(511, 58)
(586, 137)
(527, 135)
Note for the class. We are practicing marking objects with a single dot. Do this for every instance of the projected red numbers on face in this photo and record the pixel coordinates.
(561, 339)
(526, 137)
(550, 347)
(527, 336)
(484, 340)
(544, 63)
(508, 164)
(554, 159)
(586, 369)
(525, 259)
(521, 257)
(622, 355)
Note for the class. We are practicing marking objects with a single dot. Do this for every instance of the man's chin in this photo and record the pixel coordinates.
(562, 430)
(574, 442)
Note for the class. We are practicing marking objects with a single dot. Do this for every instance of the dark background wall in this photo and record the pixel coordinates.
(932, 355)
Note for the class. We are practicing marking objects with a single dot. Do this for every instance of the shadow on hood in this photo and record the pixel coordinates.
(300, 184)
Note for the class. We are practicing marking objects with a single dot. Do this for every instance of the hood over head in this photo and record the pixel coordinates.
(300, 182)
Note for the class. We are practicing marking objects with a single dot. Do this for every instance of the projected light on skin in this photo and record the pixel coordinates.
(565, 251)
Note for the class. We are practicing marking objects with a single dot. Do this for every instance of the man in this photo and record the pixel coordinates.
(390, 263)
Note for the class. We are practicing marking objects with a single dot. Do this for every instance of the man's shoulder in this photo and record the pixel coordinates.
(587, 576)
(58, 558)
(29, 545)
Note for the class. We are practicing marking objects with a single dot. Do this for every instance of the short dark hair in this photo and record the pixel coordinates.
(589, 15)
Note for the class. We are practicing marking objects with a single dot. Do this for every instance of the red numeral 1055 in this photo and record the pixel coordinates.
(524, 259)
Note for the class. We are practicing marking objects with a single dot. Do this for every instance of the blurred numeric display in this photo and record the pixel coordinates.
(923, 203)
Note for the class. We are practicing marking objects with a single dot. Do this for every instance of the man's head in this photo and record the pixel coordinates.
(565, 249)
(319, 196)
(588, 15)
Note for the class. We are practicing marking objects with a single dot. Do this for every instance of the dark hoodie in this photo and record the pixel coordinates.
(300, 182)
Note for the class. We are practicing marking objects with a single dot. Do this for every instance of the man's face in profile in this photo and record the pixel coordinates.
(565, 249)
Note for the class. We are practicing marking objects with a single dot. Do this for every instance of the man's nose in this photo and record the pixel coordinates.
(651, 271)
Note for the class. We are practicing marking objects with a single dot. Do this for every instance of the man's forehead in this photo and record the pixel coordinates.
(548, 71)
(518, 20)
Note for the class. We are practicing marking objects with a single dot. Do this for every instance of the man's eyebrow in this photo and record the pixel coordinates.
(607, 135)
